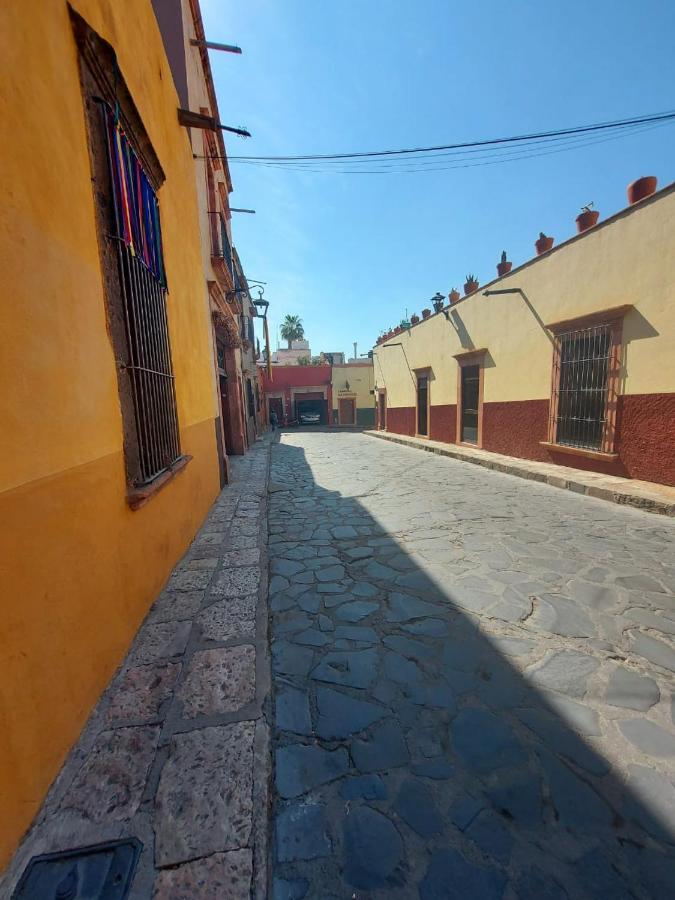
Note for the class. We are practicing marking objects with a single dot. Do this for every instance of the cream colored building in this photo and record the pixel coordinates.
(354, 394)
(570, 358)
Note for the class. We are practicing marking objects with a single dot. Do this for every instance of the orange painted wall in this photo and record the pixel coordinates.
(78, 568)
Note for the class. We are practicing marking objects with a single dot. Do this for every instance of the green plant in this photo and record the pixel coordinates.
(292, 329)
(471, 278)
(503, 256)
(304, 361)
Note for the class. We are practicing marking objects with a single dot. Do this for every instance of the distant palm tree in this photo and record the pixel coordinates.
(292, 330)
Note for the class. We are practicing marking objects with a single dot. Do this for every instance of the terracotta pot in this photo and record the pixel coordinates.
(643, 187)
(453, 296)
(503, 268)
(587, 219)
(398, 329)
(414, 319)
(470, 287)
(543, 243)
(426, 313)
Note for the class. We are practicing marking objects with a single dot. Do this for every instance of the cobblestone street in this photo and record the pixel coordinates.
(473, 681)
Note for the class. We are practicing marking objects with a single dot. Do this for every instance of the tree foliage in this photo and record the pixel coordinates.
(292, 329)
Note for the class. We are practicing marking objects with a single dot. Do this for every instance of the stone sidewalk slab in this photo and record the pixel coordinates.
(645, 495)
(176, 753)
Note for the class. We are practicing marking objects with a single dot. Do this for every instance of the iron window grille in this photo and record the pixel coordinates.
(583, 370)
(147, 361)
(220, 242)
(249, 398)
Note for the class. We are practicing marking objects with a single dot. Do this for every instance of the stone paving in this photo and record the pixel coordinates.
(474, 682)
(177, 751)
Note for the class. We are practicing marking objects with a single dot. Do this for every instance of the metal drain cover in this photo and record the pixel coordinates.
(99, 872)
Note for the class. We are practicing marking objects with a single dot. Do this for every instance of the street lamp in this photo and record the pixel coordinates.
(438, 300)
(261, 304)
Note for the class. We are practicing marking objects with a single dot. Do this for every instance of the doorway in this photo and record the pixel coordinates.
(423, 405)
(347, 411)
(470, 399)
(382, 410)
(276, 404)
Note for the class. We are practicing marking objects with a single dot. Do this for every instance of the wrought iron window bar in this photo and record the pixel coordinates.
(220, 242)
(580, 402)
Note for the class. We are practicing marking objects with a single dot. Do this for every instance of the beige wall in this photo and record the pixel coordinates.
(361, 383)
(630, 259)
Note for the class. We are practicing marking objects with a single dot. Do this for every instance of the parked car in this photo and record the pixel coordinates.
(310, 418)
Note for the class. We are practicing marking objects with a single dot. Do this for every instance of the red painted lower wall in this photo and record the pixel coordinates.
(401, 420)
(645, 434)
(646, 430)
(443, 423)
(515, 428)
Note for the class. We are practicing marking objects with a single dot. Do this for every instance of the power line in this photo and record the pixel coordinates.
(436, 163)
(425, 166)
(600, 126)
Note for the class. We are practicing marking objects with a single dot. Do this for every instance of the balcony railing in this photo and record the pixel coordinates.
(221, 249)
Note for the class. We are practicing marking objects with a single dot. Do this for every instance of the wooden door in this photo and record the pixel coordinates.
(347, 411)
(423, 405)
(382, 418)
(470, 397)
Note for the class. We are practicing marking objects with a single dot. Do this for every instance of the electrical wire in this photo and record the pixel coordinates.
(579, 129)
(459, 162)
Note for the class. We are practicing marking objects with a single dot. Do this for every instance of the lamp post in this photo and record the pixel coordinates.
(438, 300)
(261, 309)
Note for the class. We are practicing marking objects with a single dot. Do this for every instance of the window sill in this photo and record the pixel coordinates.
(137, 497)
(579, 451)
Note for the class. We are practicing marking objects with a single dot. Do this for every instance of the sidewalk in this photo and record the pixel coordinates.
(176, 753)
(645, 495)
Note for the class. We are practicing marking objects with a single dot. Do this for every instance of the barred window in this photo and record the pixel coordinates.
(138, 240)
(582, 407)
(126, 176)
(250, 401)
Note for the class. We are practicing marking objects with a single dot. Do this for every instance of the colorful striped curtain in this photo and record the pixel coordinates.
(136, 207)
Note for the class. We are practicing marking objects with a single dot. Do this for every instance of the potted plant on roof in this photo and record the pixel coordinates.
(414, 319)
(587, 218)
(453, 296)
(470, 285)
(543, 244)
(643, 187)
(426, 313)
(504, 267)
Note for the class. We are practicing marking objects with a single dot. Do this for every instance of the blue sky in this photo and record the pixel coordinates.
(350, 253)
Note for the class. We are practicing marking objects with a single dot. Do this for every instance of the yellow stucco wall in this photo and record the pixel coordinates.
(79, 568)
(629, 260)
(361, 383)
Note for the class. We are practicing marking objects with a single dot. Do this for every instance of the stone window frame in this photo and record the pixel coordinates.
(613, 318)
